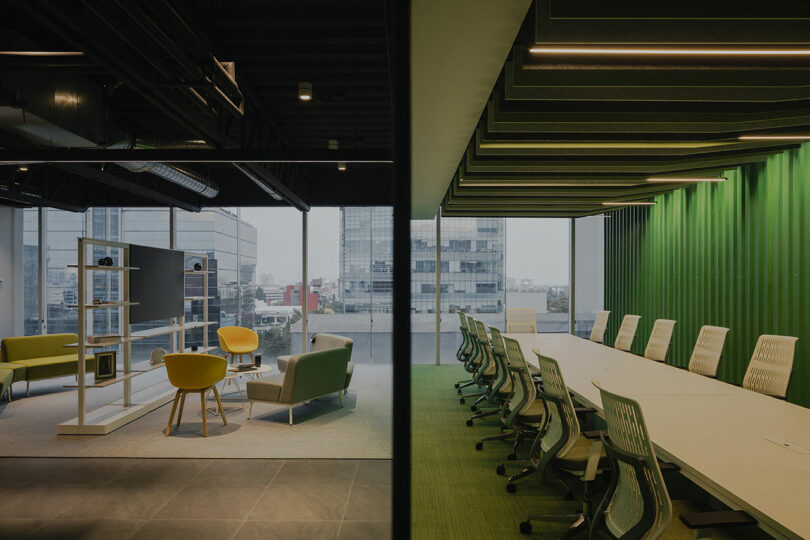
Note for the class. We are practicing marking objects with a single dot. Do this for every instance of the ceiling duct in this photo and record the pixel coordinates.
(178, 175)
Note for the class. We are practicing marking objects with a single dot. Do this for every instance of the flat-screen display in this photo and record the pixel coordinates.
(158, 285)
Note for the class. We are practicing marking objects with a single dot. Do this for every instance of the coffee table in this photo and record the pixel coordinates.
(232, 376)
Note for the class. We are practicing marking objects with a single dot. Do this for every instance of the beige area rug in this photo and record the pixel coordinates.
(361, 429)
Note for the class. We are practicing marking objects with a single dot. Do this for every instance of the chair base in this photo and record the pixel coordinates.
(290, 406)
(580, 523)
(180, 396)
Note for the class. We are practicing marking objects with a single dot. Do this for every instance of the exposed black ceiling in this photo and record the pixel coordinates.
(563, 133)
(158, 69)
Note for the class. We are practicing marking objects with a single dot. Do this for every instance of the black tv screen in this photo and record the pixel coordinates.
(157, 286)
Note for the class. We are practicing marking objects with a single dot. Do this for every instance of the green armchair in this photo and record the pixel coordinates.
(308, 376)
(320, 342)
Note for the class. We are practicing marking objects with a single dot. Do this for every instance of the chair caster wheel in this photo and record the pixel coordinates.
(511, 488)
(469, 423)
(569, 496)
(461, 401)
(456, 385)
(479, 445)
(459, 392)
(511, 457)
(526, 527)
(500, 470)
(474, 408)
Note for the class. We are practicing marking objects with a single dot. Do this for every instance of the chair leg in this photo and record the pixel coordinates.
(27, 388)
(291, 423)
(219, 404)
(205, 420)
(182, 404)
(171, 416)
(250, 410)
(340, 395)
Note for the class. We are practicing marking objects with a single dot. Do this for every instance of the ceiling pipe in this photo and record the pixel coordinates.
(177, 175)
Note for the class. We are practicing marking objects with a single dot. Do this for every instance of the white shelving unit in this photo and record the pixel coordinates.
(132, 405)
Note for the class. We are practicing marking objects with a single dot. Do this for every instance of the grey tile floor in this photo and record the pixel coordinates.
(108, 498)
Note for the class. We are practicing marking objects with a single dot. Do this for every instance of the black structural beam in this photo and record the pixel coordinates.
(11, 156)
(31, 200)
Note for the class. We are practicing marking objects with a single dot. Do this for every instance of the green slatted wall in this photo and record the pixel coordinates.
(735, 254)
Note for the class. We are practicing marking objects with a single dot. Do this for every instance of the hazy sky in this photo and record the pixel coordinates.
(535, 248)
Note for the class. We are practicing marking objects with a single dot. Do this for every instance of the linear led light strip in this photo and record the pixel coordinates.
(670, 52)
(774, 138)
(686, 180)
(629, 203)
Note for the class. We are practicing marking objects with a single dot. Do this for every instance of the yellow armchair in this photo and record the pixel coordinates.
(236, 341)
(194, 373)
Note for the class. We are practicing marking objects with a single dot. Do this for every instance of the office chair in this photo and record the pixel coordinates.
(637, 503)
(660, 340)
(599, 326)
(523, 412)
(627, 333)
(473, 359)
(708, 351)
(771, 366)
(521, 321)
(466, 347)
(485, 368)
(500, 387)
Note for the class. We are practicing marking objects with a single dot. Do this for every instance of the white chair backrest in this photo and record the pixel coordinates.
(599, 326)
(554, 386)
(771, 365)
(627, 332)
(708, 350)
(521, 321)
(628, 432)
(660, 338)
(525, 390)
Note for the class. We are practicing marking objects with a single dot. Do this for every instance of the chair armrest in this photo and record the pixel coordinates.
(668, 467)
(584, 410)
(596, 434)
(719, 518)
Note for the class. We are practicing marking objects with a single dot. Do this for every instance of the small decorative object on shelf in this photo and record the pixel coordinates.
(195, 318)
(157, 357)
(97, 301)
(102, 261)
(197, 267)
(110, 338)
(105, 365)
(194, 348)
(257, 360)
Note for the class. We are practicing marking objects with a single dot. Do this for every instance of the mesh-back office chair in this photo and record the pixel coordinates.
(487, 371)
(708, 350)
(599, 327)
(627, 333)
(524, 412)
(637, 503)
(771, 366)
(660, 340)
(496, 379)
(512, 393)
(481, 366)
(563, 445)
(465, 348)
(193, 373)
(237, 341)
(474, 358)
(521, 321)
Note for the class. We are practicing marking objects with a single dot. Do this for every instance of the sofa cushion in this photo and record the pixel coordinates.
(321, 341)
(266, 388)
(28, 347)
(54, 366)
(18, 370)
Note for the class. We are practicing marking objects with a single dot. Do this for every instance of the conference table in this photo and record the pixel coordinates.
(749, 450)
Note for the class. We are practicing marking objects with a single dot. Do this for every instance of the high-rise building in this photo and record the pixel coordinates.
(472, 263)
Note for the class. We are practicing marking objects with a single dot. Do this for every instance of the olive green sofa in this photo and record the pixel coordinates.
(33, 358)
(308, 376)
(320, 342)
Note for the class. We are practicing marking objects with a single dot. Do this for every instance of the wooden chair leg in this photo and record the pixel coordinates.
(205, 422)
(219, 404)
(340, 395)
(171, 416)
(182, 403)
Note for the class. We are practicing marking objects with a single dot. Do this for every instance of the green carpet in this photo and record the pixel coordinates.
(455, 491)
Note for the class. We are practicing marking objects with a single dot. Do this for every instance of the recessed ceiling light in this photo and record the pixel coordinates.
(341, 165)
(305, 91)
(669, 52)
(333, 144)
(773, 137)
(686, 180)
(22, 168)
(606, 144)
(630, 203)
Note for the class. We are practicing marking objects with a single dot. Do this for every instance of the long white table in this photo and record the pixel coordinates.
(716, 432)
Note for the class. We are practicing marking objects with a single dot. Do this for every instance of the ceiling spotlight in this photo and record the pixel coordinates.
(305, 91)
(686, 180)
(333, 144)
(669, 52)
(22, 167)
(629, 203)
(774, 138)
(341, 165)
